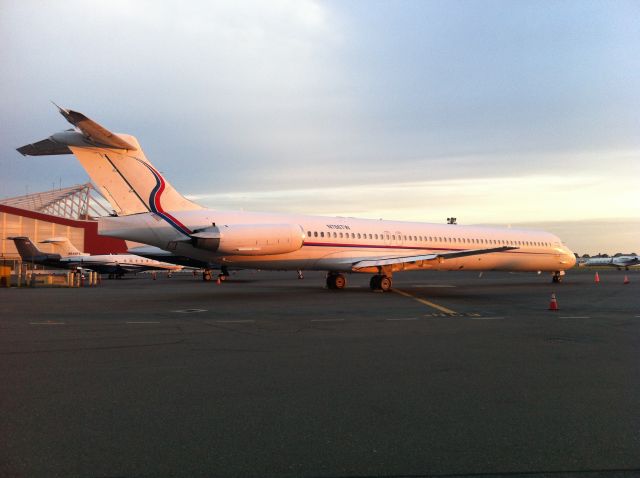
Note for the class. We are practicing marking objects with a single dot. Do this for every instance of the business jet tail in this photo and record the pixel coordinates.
(116, 164)
(28, 250)
(63, 246)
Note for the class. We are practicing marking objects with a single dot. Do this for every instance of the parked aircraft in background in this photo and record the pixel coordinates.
(619, 262)
(152, 252)
(151, 211)
(112, 264)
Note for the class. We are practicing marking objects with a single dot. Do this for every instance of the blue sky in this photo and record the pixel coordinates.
(496, 112)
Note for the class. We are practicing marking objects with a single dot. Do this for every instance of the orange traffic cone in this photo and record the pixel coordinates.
(626, 280)
(554, 303)
(218, 280)
(597, 278)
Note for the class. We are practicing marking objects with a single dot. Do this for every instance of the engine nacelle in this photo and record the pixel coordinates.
(250, 239)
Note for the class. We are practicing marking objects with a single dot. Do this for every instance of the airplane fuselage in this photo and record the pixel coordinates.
(336, 243)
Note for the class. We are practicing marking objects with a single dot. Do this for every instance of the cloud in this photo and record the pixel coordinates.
(495, 199)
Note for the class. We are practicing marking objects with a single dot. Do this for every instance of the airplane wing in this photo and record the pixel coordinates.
(419, 260)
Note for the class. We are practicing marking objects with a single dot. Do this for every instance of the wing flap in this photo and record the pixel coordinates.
(441, 257)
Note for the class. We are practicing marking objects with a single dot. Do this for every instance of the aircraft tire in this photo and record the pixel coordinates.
(385, 284)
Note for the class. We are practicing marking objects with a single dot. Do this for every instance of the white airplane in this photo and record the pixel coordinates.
(67, 256)
(619, 262)
(149, 210)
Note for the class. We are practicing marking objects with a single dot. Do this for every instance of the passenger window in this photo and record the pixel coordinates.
(321, 234)
(370, 236)
(335, 235)
(341, 235)
(315, 233)
(376, 236)
(353, 236)
(308, 233)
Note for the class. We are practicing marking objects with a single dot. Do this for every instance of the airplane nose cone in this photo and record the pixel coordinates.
(570, 258)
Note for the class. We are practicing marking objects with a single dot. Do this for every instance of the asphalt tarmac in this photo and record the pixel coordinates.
(267, 375)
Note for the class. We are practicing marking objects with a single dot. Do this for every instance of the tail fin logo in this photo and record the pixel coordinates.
(155, 201)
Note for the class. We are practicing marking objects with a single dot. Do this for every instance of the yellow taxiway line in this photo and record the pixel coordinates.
(425, 302)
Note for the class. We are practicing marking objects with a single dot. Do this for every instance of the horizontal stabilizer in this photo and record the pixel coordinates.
(93, 131)
(46, 147)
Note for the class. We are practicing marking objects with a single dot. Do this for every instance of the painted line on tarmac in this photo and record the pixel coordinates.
(46, 323)
(143, 322)
(425, 302)
(327, 320)
(189, 311)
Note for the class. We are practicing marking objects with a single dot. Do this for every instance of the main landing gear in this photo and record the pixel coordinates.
(336, 281)
(557, 277)
(381, 282)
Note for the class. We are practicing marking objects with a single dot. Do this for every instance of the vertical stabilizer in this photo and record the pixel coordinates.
(117, 166)
(63, 246)
(26, 248)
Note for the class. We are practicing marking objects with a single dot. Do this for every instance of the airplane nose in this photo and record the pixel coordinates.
(570, 258)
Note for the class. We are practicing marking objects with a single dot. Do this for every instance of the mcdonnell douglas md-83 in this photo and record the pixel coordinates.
(148, 209)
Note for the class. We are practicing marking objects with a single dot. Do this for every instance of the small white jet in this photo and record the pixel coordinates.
(619, 262)
(67, 256)
(149, 210)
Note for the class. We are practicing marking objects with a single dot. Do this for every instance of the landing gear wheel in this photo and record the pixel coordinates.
(374, 283)
(380, 282)
(385, 284)
(557, 278)
(336, 281)
(206, 275)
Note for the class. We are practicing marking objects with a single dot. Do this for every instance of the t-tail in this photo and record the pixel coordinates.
(117, 166)
(63, 246)
(30, 253)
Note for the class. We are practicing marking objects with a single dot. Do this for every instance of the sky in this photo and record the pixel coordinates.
(495, 112)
